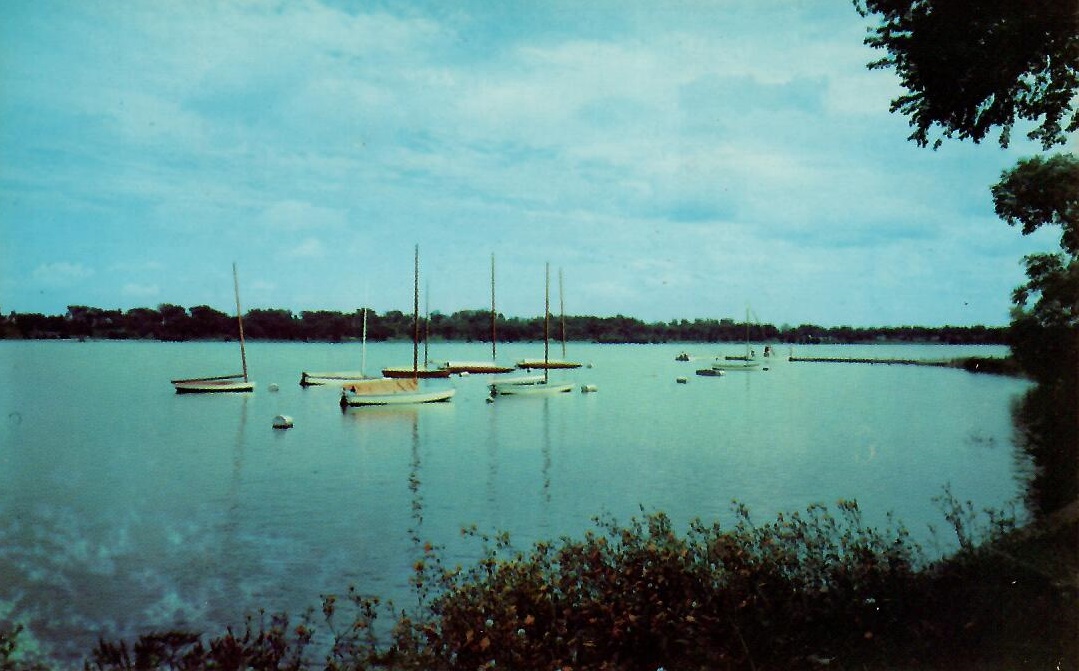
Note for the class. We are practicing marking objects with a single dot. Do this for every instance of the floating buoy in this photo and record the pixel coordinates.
(682, 380)
(273, 387)
(587, 388)
(282, 422)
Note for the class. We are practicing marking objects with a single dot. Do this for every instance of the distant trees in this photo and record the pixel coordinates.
(173, 322)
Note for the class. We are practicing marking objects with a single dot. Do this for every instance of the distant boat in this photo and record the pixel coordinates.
(746, 362)
(397, 390)
(547, 363)
(340, 377)
(237, 382)
(535, 384)
(683, 356)
(490, 367)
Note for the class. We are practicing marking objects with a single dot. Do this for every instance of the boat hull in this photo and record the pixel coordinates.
(351, 400)
(336, 377)
(529, 389)
(550, 365)
(213, 385)
(479, 367)
(408, 372)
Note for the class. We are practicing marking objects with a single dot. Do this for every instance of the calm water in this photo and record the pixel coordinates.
(125, 507)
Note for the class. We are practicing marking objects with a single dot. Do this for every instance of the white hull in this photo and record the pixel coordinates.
(353, 400)
(529, 389)
(330, 377)
(212, 385)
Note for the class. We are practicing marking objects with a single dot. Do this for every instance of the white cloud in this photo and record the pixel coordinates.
(62, 274)
(132, 290)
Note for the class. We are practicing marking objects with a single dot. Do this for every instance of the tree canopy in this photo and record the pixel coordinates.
(971, 67)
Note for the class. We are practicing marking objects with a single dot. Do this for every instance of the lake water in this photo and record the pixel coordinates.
(125, 507)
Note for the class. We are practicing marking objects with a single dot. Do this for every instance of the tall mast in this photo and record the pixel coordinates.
(239, 318)
(562, 312)
(494, 314)
(363, 348)
(426, 319)
(546, 321)
(416, 316)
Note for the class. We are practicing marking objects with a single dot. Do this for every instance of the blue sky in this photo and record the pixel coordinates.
(676, 160)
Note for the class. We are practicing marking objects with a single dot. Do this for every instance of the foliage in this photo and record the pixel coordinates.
(172, 322)
(1042, 191)
(809, 590)
(968, 68)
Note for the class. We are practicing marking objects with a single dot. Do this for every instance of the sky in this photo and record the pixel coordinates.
(689, 159)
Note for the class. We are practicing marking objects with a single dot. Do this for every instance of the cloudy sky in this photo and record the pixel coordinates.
(683, 159)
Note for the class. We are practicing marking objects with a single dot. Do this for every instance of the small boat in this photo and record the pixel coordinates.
(684, 356)
(207, 385)
(397, 389)
(340, 377)
(535, 385)
(550, 364)
(237, 382)
(390, 391)
(458, 367)
(402, 372)
(708, 372)
(547, 363)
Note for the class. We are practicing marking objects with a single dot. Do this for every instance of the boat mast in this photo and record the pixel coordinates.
(494, 315)
(239, 318)
(363, 347)
(562, 312)
(546, 321)
(416, 316)
(426, 319)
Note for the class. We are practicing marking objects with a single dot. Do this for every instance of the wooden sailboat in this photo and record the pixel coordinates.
(339, 377)
(492, 366)
(535, 384)
(405, 372)
(397, 391)
(547, 363)
(238, 382)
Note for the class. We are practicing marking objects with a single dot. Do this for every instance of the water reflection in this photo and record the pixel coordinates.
(1047, 429)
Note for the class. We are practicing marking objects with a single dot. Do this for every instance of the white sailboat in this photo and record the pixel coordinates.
(535, 384)
(238, 382)
(340, 377)
(748, 362)
(397, 390)
(546, 363)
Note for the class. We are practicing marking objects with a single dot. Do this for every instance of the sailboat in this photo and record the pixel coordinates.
(547, 363)
(492, 366)
(222, 383)
(397, 391)
(336, 377)
(415, 371)
(746, 362)
(535, 384)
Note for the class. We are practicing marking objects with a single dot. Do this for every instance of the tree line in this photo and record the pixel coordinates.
(175, 323)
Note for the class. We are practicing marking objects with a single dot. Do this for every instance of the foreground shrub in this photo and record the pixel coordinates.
(810, 590)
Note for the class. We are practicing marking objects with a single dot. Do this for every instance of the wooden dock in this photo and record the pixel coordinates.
(973, 364)
(888, 362)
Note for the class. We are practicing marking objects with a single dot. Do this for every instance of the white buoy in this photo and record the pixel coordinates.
(282, 422)
(273, 387)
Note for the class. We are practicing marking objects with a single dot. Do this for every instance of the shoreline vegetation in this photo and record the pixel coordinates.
(813, 589)
(175, 323)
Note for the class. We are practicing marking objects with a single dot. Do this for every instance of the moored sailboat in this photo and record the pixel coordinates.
(390, 390)
(547, 363)
(237, 382)
(489, 367)
(340, 377)
(535, 384)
